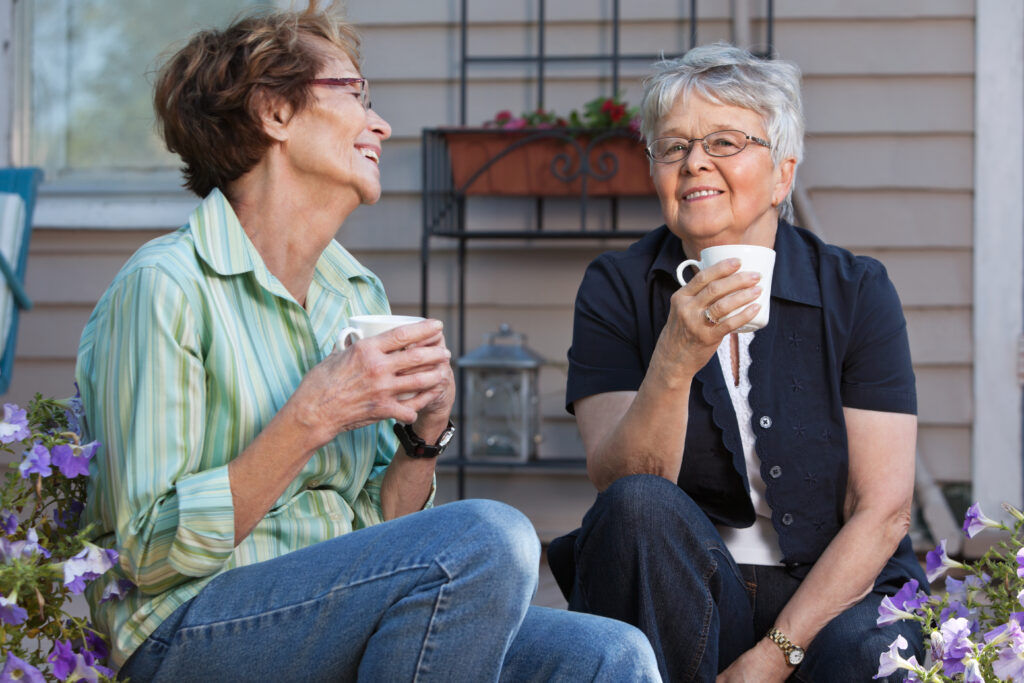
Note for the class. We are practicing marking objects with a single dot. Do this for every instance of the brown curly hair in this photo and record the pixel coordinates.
(208, 94)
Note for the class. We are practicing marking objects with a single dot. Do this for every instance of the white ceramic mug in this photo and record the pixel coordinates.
(362, 326)
(752, 258)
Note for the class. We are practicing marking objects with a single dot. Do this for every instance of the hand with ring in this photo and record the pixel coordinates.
(700, 315)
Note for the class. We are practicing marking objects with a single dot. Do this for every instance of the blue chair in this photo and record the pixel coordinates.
(13, 255)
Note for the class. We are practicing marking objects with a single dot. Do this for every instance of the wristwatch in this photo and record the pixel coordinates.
(416, 447)
(794, 653)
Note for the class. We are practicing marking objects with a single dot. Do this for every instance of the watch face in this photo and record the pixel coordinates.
(796, 655)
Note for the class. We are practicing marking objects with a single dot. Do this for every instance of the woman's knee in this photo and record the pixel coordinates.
(499, 533)
(644, 508)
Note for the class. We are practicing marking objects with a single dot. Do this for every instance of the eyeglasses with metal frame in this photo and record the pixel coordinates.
(721, 143)
(364, 87)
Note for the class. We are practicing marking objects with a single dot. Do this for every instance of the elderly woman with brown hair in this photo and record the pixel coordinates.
(256, 478)
(755, 486)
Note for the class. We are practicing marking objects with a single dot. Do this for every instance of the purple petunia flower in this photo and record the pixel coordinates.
(71, 461)
(20, 550)
(900, 606)
(74, 411)
(36, 461)
(63, 659)
(1009, 665)
(32, 546)
(8, 521)
(78, 666)
(11, 612)
(116, 590)
(1009, 631)
(14, 426)
(975, 521)
(937, 562)
(1020, 563)
(972, 671)
(889, 662)
(957, 610)
(96, 645)
(956, 590)
(956, 644)
(65, 519)
(91, 563)
(19, 670)
(909, 597)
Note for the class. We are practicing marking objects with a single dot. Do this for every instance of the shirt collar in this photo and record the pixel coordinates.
(220, 240)
(224, 245)
(796, 264)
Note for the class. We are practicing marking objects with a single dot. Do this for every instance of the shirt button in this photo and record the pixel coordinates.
(787, 519)
(765, 422)
(775, 472)
(312, 484)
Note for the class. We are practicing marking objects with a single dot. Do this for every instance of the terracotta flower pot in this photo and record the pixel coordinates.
(550, 163)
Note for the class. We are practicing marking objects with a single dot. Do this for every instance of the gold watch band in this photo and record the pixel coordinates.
(794, 654)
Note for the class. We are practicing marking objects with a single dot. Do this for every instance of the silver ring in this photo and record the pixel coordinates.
(707, 316)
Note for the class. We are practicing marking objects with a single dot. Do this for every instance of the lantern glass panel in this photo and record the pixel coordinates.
(501, 414)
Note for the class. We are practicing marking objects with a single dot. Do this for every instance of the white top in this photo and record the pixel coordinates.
(758, 544)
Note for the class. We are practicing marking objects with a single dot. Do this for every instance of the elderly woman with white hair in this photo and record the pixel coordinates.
(755, 487)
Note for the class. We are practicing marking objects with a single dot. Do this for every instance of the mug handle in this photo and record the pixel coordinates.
(683, 266)
(349, 336)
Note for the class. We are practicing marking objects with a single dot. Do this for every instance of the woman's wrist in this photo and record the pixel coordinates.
(430, 427)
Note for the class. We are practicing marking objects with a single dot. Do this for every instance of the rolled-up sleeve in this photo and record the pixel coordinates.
(145, 396)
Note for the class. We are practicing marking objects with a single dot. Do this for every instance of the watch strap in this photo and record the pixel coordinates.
(794, 654)
(414, 445)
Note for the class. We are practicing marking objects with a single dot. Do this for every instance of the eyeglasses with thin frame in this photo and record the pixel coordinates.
(721, 143)
(364, 87)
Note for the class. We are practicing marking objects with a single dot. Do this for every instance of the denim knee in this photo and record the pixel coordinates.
(504, 535)
(639, 499)
(643, 507)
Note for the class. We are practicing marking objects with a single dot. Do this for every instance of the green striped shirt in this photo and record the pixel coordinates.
(187, 356)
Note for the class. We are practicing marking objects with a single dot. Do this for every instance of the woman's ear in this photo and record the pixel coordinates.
(275, 114)
(784, 173)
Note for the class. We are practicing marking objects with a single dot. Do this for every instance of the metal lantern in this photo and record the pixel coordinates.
(502, 414)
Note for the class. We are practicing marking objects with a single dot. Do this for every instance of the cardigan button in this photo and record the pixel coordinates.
(787, 519)
(775, 472)
(765, 422)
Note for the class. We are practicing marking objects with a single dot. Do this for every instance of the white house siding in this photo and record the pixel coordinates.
(889, 100)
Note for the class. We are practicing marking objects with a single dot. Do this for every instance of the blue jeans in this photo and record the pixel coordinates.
(441, 595)
(648, 555)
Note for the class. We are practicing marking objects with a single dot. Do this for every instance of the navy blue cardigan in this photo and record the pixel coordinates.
(836, 338)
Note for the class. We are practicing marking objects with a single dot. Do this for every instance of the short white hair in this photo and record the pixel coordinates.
(725, 74)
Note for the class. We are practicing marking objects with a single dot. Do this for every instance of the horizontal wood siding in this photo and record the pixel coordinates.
(889, 104)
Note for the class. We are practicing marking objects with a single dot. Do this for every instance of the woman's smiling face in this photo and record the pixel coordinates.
(706, 200)
(335, 141)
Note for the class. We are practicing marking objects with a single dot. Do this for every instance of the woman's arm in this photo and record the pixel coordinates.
(144, 383)
(352, 388)
(408, 482)
(643, 432)
(880, 487)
